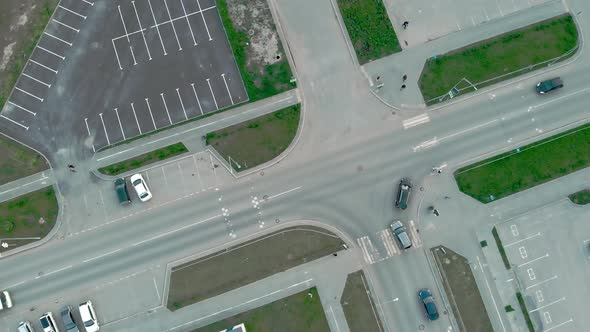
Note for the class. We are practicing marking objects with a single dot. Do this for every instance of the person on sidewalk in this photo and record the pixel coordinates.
(405, 25)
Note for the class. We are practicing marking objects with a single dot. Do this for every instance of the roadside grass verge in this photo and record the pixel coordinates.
(462, 291)
(144, 159)
(499, 58)
(358, 305)
(302, 311)
(260, 81)
(525, 312)
(21, 55)
(32, 215)
(501, 248)
(369, 29)
(527, 166)
(256, 141)
(581, 197)
(248, 262)
(18, 161)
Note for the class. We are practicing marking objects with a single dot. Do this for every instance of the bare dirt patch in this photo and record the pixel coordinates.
(358, 306)
(18, 161)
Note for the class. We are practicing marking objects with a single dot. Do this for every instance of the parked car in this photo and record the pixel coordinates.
(88, 316)
(68, 319)
(48, 323)
(425, 296)
(403, 195)
(25, 327)
(549, 85)
(398, 229)
(122, 193)
(5, 300)
(141, 188)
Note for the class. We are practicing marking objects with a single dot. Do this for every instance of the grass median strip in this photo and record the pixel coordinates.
(28, 218)
(17, 161)
(302, 311)
(144, 159)
(369, 29)
(501, 248)
(254, 142)
(581, 197)
(527, 166)
(358, 305)
(499, 58)
(525, 312)
(248, 262)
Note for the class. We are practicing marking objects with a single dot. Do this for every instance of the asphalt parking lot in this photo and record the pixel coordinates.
(548, 251)
(44, 65)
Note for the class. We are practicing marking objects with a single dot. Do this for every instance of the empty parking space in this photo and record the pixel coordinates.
(551, 264)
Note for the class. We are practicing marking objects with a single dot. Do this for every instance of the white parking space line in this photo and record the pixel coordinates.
(57, 38)
(559, 325)
(198, 173)
(166, 107)
(197, 97)
(120, 125)
(541, 282)
(88, 2)
(136, 121)
(117, 54)
(105, 128)
(141, 29)
(534, 260)
(204, 21)
(50, 52)
(65, 25)
(36, 80)
(164, 175)
(22, 108)
(151, 115)
(124, 25)
(173, 27)
(71, 11)
(227, 88)
(181, 103)
(547, 305)
(212, 94)
(188, 23)
(28, 93)
(88, 129)
(42, 66)
(16, 123)
(157, 27)
(521, 240)
(133, 55)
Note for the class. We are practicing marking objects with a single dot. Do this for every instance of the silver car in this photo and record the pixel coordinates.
(398, 229)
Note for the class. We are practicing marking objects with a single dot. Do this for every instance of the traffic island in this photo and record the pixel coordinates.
(498, 58)
(27, 218)
(208, 276)
(581, 197)
(358, 305)
(254, 142)
(144, 159)
(462, 291)
(299, 312)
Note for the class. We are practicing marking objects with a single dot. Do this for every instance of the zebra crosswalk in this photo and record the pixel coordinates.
(386, 245)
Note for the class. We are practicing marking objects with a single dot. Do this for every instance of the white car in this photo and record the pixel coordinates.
(48, 323)
(141, 188)
(5, 300)
(88, 316)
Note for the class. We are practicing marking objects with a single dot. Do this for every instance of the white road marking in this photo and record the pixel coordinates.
(417, 120)
(181, 103)
(198, 173)
(514, 230)
(36, 80)
(335, 320)
(117, 54)
(65, 25)
(372, 254)
(43, 66)
(539, 295)
(534, 260)
(176, 230)
(89, 135)
(546, 305)
(157, 27)
(188, 23)
(133, 55)
(52, 272)
(541, 282)
(50, 52)
(526, 238)
(22, 108)
(136, 121)
(156, 287)
(227, 88)
(531, 273)
(559, 325)
(361, 243)
(141, 29)
(166, 107)
(523, 253)
(120, 125)
(204, 22)
(197, 97)
(105, 128)
(88, 2)
(212, 94)
(57, 38)
(71, 11)
(283, 193)
(547, 317)
(389, 242)
(16, 123)
(215, 170)
(173, 27)
(491, 295)
(416, 240)
(151, 115)
(426, 144)
(28, 93)
(100, 256)
(124, 25)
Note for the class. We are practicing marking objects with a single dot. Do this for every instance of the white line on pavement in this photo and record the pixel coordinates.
(541, 282)
(212, 94)
(335, 320)
(534, 260)
(16, 123)
(181, 103)
(188, 23)
(156, 287)
(177, 230)
(526, 238)
(491, 295)
(120, 124)
(559, 325)
(36, 80)
(136, 120)
(52, 272)
(65, 25)
(22, 108)
(283, 193)
(173, 27)
(204, 22)
(28, 93)
(417, 120)
(196, 96)
(105, 128)
(71, 11)
(141, 29)
(43, 66)
(157, 27)
(88, 129)
(227, 88)
(546, 305)
(57, 38)
(166, 107)
(50, 52)
(103, 255)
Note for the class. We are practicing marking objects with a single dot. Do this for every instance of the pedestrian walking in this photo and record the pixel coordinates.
(72, 168)
(404, 78)
(405, 25)
(403, 87)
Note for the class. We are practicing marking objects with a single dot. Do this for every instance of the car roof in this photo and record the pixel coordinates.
(85, 311)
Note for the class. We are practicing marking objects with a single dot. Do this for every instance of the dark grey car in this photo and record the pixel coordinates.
(122, 193)
(68, 318)
(403, 195)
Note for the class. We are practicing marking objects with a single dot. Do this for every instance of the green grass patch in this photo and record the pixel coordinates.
(501, 248)
(21, 55)
(17, 161)
(299, 312)
(256, 141)
(483, 243)
(581, 197)
(525, 312)
(369, 28)
(508, 308)
(144, 159)
(490, 59)
(260, 81)
(527, 166)
(28, 216)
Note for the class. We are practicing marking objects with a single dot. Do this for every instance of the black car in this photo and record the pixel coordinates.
(403, 195)
(549, 85)
(68, 318)
(425, 295)
(122, 193)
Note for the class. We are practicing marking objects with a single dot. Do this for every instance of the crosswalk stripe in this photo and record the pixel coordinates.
(388, 242)
(414, 234)
(364, 249)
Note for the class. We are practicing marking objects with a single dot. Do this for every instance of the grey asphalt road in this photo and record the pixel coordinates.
(343, 172)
